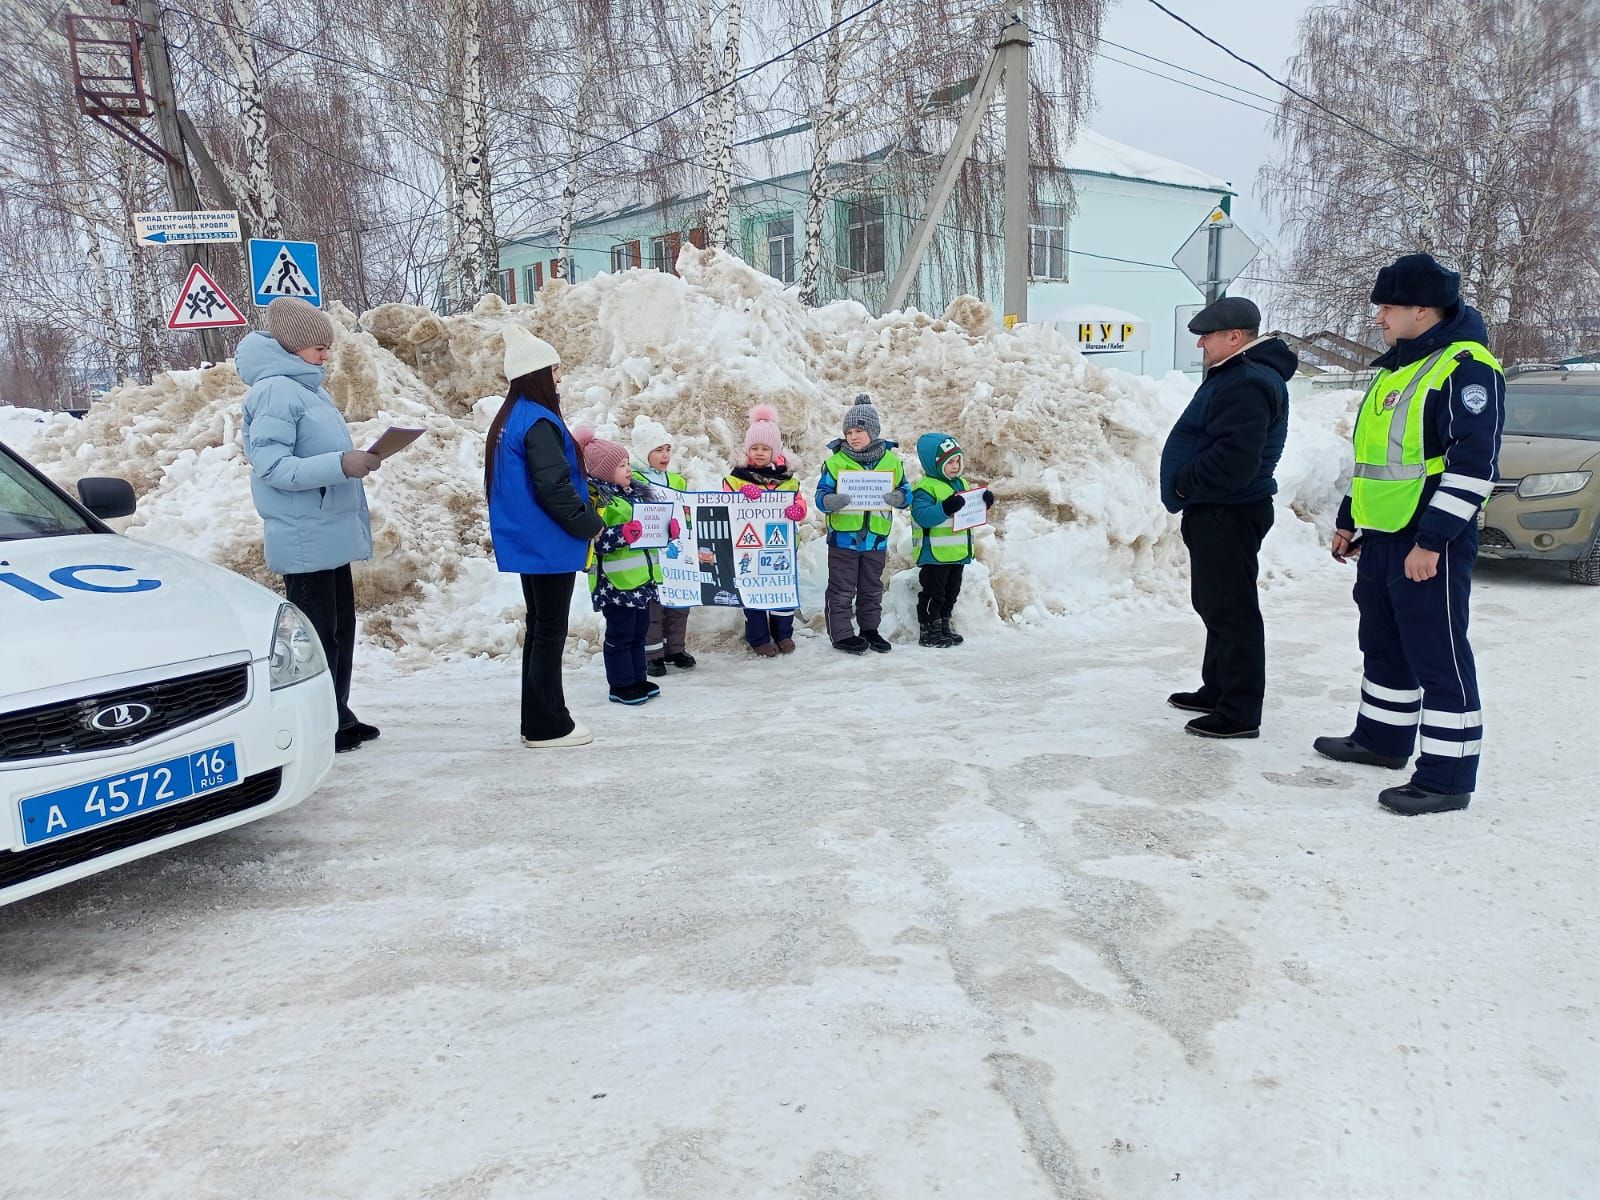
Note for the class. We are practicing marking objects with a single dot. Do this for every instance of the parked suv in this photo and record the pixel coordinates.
(1546, 503)
(147, 698)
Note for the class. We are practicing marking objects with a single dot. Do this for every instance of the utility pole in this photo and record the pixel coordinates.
(1010, 60)
(1013, 52)
(180, 182)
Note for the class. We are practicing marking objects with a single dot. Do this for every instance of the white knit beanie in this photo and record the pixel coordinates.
(526, 354)
(647, 435)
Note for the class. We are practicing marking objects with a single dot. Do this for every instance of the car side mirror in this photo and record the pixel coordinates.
(107, 498)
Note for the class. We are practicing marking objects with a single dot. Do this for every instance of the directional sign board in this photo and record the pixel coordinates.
(203, 305)
(279, 268)
(1186, 354)
(1235, 252)
(174, 228)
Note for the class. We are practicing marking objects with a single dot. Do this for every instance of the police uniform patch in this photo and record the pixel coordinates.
(1475, 397)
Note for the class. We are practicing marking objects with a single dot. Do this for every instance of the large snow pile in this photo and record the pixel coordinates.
(1071, 450)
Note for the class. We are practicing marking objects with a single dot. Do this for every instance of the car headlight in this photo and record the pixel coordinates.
(1558, 484)
(296, 649)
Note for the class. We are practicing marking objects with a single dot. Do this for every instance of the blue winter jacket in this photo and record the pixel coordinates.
(313, 517)
(925, 510)
(1227, 443)
(1461, 422)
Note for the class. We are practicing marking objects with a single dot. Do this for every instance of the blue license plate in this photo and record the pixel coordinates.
(84, 805)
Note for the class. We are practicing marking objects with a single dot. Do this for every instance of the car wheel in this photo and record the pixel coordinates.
(1587, 568)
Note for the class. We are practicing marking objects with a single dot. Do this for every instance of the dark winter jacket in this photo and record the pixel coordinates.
(1461, 421)
(1227, 443)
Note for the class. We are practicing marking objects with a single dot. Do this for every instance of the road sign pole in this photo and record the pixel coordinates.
(179, 181)
(1213, 263)
(1014, 56)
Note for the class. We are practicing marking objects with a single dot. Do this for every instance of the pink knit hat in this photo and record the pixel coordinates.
(764, 430)
(600, 457)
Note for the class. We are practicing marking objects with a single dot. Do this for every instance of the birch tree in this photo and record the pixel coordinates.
(1483, 150)
(254, 187)
(719, 129)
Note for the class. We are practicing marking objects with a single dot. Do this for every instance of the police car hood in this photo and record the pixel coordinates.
(91, 605)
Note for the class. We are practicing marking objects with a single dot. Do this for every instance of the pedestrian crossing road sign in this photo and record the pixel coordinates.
(279, 268)
(777, 534)
(203, 305)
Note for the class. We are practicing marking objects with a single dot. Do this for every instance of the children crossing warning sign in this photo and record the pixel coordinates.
(749, 539)
(279, 268)
(203, 305)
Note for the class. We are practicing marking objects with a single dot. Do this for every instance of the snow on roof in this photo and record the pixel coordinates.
(1096, 154)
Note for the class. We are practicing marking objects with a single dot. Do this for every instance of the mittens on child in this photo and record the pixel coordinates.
(894, 499)
(988, 498)
(835, 502)
(631, 532)
(674, 530)
(796, 511)
(750, 492)
(953, 505)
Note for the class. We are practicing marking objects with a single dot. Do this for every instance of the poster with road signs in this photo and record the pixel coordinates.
(741, 553)
(279, 268)
(203, 305)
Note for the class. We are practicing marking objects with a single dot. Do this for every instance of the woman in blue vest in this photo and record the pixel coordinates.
(541, 523)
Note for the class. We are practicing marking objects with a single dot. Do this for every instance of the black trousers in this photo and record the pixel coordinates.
(940, 588)
(544, 703)
(328, 599)
(1224, 541)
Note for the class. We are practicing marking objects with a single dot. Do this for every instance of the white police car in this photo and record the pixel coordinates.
(147, 698)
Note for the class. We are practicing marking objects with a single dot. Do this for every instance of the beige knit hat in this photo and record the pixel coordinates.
(295, 324)
(526, 354)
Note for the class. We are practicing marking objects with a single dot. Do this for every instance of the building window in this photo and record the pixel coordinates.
(777, 247)
(508, 285)
(625, 256)
(571, 275)
(664, 252)
(862, 245)
(533, 280)
(697, 237)
(1047, 242)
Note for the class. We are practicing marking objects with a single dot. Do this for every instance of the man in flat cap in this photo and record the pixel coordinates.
(1427, 444)
(1216, 468)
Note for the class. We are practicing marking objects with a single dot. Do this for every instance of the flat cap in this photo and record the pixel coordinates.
(1230, 312)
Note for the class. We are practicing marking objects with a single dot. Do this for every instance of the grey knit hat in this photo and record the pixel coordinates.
(295, 324)
(861, 415)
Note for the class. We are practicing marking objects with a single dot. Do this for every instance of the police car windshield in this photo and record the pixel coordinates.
(31, 508)
(1564, 408)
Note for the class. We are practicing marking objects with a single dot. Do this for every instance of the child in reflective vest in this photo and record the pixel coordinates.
(665, 639)
(858, 538)
(941, 550)
(622, 576)
(769, 633)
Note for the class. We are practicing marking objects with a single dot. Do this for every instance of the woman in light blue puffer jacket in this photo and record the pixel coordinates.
(306, 482)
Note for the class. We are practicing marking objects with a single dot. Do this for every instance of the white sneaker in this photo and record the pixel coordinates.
(578, 737)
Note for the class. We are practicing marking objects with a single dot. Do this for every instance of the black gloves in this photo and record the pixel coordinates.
(953, 505)
(988, 498)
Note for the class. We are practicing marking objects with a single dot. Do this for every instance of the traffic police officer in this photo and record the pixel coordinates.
(1427, 444)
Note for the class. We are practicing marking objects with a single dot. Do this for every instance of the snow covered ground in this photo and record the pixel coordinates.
(980, 923)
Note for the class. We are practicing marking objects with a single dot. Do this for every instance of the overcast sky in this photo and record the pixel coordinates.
(1215, 135)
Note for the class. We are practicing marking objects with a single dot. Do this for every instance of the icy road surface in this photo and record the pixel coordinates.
(978, 924)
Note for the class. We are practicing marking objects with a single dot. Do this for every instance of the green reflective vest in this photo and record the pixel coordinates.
(674, 481)
(948, 544)
(878, 520)
(625, 568)
(1391, 468)
(733, 484)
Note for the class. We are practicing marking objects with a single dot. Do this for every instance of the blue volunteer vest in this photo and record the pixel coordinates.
(526, 540)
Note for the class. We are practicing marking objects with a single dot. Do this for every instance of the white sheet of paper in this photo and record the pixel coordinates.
(973, 513)
(655, 518)
(865, 489)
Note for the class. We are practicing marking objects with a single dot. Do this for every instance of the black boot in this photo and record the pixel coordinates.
(852, 645)
(683, 660)
(1347, 749)
(876, 642)
(1215, 725)
(950, 635)
(655, 667)
(931, 636)
(1192, 702)
(1411, 801)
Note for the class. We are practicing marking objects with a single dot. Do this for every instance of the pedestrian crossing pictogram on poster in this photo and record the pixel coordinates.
(203, 305)
(749, 539)
(279, 268)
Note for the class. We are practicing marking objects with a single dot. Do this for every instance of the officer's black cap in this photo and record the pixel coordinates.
(1419, 280)
(1231, 312)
